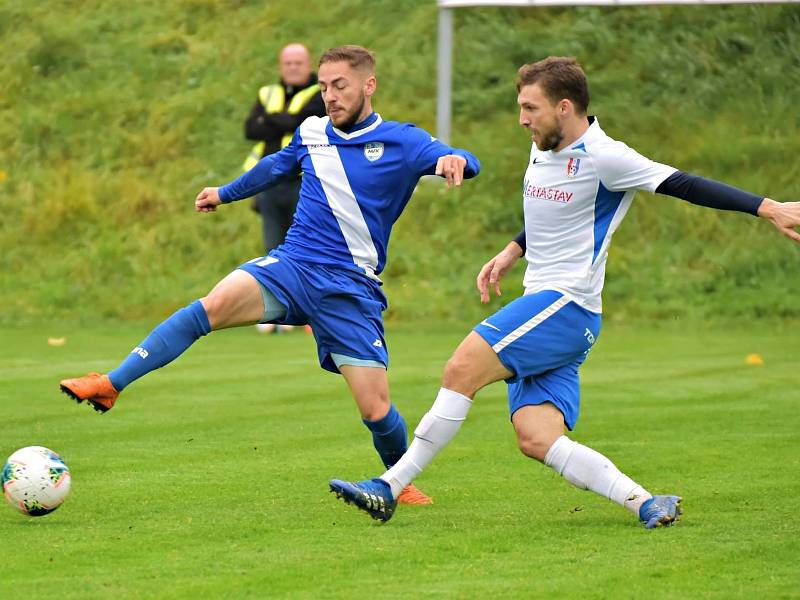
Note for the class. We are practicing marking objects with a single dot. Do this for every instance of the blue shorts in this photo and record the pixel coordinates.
(342, 306)
(542, 339)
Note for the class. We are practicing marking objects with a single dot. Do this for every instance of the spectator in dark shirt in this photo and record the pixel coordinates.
(278, 111)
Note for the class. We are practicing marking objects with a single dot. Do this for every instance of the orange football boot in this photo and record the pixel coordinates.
(94, 388)
(411, 495)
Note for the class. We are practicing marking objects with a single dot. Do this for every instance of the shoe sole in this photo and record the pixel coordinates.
(95, 405)
(341, 496)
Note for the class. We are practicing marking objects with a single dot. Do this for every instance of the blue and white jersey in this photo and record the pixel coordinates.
(355, 186)
(574, 200)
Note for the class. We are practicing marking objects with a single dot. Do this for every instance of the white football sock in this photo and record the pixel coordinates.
(590, 470)
(437, 427)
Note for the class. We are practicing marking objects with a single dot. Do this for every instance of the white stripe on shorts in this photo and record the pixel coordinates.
(530, 324)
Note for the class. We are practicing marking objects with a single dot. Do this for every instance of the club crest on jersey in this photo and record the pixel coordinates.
(373, 151)
(572, 167)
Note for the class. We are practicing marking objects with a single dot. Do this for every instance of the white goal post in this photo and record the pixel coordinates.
(444, 58)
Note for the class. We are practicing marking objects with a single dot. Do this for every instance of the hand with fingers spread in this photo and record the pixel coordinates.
(493, 271)
(451, 167)
(207, 200)
(784, 215)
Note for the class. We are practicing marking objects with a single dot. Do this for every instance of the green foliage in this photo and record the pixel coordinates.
(114, 114)
(208, 479)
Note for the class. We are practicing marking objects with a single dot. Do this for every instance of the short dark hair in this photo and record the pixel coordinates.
(356, 56)
(559, 77)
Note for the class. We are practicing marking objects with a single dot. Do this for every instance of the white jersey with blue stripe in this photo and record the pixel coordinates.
(355, 185)
(574, 200)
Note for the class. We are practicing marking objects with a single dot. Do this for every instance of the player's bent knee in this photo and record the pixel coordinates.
(460, 376)
(535, 448)
(473, 365)
(455, 368)
(375, 410)
(219, 311)
(212, 306)
(234, 301)
(231, 309)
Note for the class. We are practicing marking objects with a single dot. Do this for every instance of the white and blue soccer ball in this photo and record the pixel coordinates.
(35, 480)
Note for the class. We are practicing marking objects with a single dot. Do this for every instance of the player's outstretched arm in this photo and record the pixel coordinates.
(207, 200)
(269, 171)
(785, 216)
(493, 271)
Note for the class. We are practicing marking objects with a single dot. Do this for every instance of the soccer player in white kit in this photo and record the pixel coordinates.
(578, 186)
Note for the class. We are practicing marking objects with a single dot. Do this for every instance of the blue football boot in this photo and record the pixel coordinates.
(660, 511)
(373, 496)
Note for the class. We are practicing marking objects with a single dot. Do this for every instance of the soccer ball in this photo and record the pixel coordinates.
(35, 480)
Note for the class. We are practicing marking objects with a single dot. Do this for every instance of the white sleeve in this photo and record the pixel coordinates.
(622, 168)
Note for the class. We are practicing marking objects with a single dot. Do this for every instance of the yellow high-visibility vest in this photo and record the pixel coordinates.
(273, 99)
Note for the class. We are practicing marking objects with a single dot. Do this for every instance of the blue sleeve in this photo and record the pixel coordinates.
(269, 171)
(423, 151)
(521, 241)
(710, 193)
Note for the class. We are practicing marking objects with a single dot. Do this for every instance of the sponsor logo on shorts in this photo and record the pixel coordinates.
(377, 344)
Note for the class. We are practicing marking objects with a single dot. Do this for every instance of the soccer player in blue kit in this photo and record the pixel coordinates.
(359, 172)
(578, 186)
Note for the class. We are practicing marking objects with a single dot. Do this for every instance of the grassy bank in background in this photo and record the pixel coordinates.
(113, 115)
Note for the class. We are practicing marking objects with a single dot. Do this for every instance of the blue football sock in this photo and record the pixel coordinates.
(164, 344)
(390, 436)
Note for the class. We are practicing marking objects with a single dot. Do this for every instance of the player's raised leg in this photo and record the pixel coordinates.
(370, 388)
(472, 366)
(236, 300)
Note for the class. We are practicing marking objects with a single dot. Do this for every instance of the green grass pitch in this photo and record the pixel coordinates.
(209, 478)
